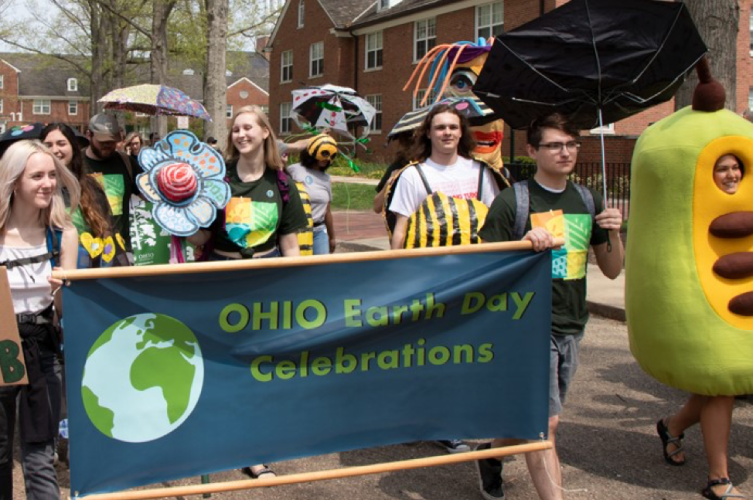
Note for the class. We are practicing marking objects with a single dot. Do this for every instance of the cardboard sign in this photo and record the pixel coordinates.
(12, 366)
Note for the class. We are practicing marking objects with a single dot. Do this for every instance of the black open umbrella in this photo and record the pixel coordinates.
(598, 61)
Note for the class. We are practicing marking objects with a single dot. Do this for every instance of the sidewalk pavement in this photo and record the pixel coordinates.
(361, 231)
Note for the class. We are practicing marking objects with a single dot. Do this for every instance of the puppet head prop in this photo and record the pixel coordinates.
(452, 72)
(689, 279)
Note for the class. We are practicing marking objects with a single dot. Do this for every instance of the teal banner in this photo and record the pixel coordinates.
(181, 375)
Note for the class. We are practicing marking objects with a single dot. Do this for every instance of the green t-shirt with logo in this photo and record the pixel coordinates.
(256, 214)
(569, 310)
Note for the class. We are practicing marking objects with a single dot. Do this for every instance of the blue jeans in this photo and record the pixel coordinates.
(321, 240)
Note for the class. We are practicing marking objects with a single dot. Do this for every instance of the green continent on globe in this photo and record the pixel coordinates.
(177, 375)
(102, 418)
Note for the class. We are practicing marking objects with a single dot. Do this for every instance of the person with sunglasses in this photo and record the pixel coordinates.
(531, 211)
(312, 173)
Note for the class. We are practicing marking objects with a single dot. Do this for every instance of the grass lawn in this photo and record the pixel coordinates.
(346, 196)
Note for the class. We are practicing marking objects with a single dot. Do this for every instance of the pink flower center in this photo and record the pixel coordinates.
(177, 181)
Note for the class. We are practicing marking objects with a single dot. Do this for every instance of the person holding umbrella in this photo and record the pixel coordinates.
(554, 202)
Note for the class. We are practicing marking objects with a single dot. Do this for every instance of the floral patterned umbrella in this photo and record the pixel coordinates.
(155, 100)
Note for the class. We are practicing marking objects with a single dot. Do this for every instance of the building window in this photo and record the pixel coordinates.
(301, 12)
(72, 85)
(316, 53)
(285, 119)
(420, 97)
(2, 83)
(41, 107)
(383, 4)
(72, 108)
(286, 66)
(424, 37)
(490, 20)
(376, 101)
(607, 129)
(750, 98)
(374, 50)
(229, 111)
(264, 109)
(2, 106)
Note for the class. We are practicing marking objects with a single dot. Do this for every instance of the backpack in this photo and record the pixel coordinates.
(523, 206)
(53, 238)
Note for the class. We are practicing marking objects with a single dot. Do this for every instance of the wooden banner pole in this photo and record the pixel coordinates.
(307, 477)
(337, 258)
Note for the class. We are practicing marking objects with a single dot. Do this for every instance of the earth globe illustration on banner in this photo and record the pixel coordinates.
(142, 378)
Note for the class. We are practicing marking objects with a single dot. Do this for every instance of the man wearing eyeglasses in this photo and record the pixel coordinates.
(531, 211)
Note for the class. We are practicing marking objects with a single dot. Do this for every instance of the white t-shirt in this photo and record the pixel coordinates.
(459, 180)
(29, 286)
(318, 186)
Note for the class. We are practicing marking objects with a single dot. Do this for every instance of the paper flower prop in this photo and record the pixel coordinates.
(184, 179)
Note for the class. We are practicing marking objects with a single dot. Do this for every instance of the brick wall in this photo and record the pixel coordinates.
(252, 93)
(338, 55)
(9, 94)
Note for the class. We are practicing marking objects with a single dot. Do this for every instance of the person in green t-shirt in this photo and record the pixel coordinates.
(555, 203)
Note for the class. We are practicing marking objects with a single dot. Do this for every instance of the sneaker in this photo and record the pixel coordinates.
(490, 475)
(454, 445)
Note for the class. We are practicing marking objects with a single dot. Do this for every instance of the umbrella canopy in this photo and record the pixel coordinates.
(614, 57)
(330, 106)
(472, 108)
(155, 100)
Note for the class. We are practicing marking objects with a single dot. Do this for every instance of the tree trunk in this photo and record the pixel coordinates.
(99, 54)
(161, 10)
(215, 86)
(718, 23)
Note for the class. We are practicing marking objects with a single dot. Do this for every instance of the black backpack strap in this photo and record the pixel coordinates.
(522, 208)
(481, 171)
(53, 237)
(588, 199)
(424, 179)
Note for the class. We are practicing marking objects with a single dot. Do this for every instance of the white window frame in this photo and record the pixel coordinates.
(40, 105)
(72, 105)
(301, 13)
(420, 96)
(374, 47)
(229, 111)
(490, 25)
(2, 106)
(72, 85)
(286, 123)
(286, 66)
(376, 124)
(429, 38)
(2, 81)
(607, 129)
(316, 63)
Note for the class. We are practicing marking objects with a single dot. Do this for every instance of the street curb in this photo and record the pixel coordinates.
(606, 311)
(352, 246)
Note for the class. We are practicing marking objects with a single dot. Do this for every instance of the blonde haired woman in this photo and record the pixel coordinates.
(36, 235)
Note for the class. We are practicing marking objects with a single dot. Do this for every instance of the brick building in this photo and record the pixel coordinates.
(39, 88)
(373, 47)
